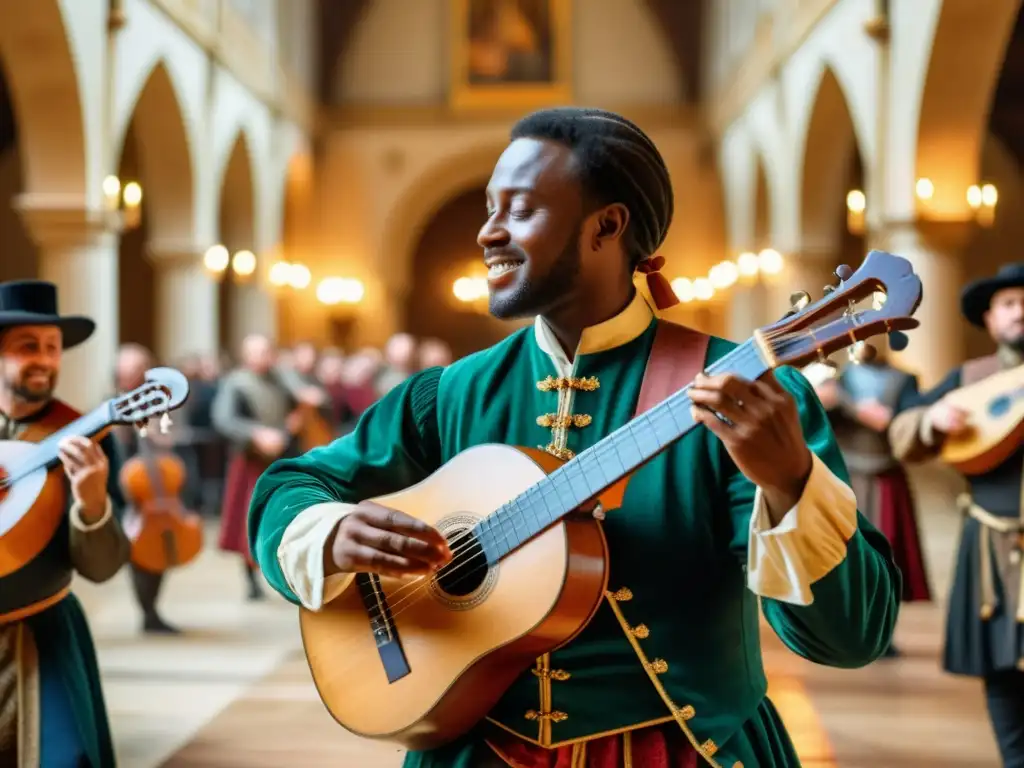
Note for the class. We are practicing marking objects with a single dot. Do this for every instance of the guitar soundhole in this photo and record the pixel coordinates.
(1000, 406)
(467, 580)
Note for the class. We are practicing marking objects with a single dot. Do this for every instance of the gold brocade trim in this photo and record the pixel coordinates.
(582, 739)
(658, 666)
(579, 755)
(554, 717)
(627, 750)
(554, 421)
(559, 383)
(622, 595)
(555, 674)
(559, 453)
(640, 631)
(680, 714)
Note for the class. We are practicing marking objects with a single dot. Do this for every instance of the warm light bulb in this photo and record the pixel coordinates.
(989, 195)
(339, 290)
(299, 276)
(464, 289)
(924, 188)
(723, 274)
(682, 287)
(974, 196)
(279, 273)
(244, 263)
(216, 258)
(856, 202)
(703, 289)
(747, 264)
(132, 194)
(770, 261)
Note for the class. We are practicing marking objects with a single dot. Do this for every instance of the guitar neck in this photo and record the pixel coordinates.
(46, 451)
(599, 467)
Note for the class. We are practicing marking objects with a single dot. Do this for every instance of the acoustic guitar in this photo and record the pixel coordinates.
(996, 422)
(419, 661)
(29, 472)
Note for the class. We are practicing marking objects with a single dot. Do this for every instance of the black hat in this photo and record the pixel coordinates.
(34, 302)
(977, 296)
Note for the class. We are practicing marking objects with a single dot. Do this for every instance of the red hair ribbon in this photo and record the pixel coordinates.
(661, 290)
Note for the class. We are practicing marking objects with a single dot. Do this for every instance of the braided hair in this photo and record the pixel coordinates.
(617, 163)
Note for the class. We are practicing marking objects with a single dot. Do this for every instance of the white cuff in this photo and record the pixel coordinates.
(301, 554)
(810, 540)
(76, 518)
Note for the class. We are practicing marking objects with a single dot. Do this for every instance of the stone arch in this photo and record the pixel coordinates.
(36, 55)
(967, 51)
(165, 158)
(829, 147)
(237, 228)
(424, 196)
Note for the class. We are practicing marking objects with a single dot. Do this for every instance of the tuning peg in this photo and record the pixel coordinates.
(878, 300)
(898, 341)
(799, 300)
(843, 272)
(828, 289)
(860, 352)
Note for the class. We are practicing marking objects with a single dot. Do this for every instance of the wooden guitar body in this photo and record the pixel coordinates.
(30, 510)
(996, 408)
(462, 651)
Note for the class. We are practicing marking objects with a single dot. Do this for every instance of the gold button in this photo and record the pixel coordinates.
(641, 631)
(658, 666)
(687, 712)
(623, 595)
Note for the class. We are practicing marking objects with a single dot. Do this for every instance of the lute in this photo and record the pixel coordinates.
(420, 661)
(28, 471)
(995, 422)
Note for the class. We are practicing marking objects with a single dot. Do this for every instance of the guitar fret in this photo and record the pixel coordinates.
(600, 466)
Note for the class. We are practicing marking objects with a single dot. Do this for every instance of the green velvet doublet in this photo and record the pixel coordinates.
(677, 637)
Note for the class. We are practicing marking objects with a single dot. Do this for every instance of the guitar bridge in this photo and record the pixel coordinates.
(382, 625)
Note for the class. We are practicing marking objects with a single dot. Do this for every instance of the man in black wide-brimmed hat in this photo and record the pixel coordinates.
(985, 625)
(51, 705)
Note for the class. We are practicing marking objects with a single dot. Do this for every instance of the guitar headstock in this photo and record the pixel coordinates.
(164, 390)
(837, 321)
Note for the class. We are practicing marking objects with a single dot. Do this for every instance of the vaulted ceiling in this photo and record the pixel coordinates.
(681, 20)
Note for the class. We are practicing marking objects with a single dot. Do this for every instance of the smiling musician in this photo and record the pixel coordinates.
(51, 704)
(985, 622)
(668, 672)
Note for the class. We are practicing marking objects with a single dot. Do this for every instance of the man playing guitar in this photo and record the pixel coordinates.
(668, 671)
(985, 623)
(51, 706)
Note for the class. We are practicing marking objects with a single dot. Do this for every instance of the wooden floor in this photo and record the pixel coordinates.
(234, 692)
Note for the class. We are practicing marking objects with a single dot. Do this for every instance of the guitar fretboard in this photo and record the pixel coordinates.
(592, 471)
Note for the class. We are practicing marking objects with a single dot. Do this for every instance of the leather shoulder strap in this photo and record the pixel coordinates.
(978, 369)
(677, 356)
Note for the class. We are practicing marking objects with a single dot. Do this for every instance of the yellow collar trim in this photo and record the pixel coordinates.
(614, 332)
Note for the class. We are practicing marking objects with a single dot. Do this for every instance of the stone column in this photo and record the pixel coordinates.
(934, 249)
(78, 252)
(253, 310)
(187, 300)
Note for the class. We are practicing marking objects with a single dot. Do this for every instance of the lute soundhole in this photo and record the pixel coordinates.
(466, 581)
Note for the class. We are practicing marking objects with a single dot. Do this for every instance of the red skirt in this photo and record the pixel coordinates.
(661, 746)
(243, 473)
(897, 522)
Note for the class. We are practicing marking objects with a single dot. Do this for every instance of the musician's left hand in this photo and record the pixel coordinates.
(765, 439)
(87, 468)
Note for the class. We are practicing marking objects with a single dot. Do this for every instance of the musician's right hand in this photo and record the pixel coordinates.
(947, 418)
(375, 539)
(270, 442)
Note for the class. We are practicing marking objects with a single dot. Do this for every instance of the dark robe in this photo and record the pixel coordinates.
(878, 480)
(980, 638)
(57, 713)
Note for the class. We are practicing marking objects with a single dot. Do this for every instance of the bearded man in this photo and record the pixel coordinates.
(51, 702)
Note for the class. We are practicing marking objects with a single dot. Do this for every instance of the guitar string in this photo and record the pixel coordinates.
(415, 586)
(735, 356)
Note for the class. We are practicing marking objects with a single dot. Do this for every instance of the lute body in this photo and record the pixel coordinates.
(996, 422)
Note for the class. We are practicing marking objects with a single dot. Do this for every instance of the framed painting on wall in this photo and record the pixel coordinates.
(511, 54)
